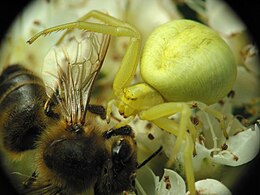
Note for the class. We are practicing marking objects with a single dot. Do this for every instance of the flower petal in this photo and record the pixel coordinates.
(222, 18)
(211, 187)
(171, 183)
(242, 148)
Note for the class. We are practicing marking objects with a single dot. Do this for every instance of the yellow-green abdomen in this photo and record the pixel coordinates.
(186, 61)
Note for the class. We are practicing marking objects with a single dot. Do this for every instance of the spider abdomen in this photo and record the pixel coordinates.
(191, 62)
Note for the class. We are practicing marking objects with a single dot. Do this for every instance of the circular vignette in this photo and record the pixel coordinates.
(11, 10)
(249, 14)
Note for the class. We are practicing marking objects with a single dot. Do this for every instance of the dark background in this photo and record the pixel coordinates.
(249, 11)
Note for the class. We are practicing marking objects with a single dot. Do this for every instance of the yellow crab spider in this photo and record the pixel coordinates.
(182, 62)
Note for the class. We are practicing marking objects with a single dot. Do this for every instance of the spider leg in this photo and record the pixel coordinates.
(111, 26)
(159, 116)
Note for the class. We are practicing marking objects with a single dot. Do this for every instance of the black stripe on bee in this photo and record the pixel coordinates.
(22, 98)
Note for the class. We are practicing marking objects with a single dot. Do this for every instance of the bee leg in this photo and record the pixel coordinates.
(97, 109)
(48, 108)
(50, 105)
(125, 130)
(29, 182)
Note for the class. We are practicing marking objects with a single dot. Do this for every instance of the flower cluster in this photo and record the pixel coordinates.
(215, 151)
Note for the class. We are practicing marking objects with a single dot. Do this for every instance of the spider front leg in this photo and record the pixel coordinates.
(158, 115)
(98, 16)
(114, 27)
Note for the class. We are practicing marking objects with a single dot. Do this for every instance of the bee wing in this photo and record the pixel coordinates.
(70, 69)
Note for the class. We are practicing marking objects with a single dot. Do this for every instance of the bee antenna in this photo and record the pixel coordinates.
(150, 158)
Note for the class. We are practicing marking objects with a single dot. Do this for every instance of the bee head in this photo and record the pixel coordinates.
(119, 171)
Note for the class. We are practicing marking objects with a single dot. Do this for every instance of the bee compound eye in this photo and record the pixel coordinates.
(121, 151)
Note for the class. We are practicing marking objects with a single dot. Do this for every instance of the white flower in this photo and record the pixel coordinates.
(241, 148)
(213, 150)
(211, 187)
(171, 183)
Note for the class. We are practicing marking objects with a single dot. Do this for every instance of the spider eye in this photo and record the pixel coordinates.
(121, 151)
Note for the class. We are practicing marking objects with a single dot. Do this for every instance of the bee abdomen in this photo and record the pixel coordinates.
(22, 97)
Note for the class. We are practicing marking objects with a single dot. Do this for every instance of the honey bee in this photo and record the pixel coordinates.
(73, 152)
